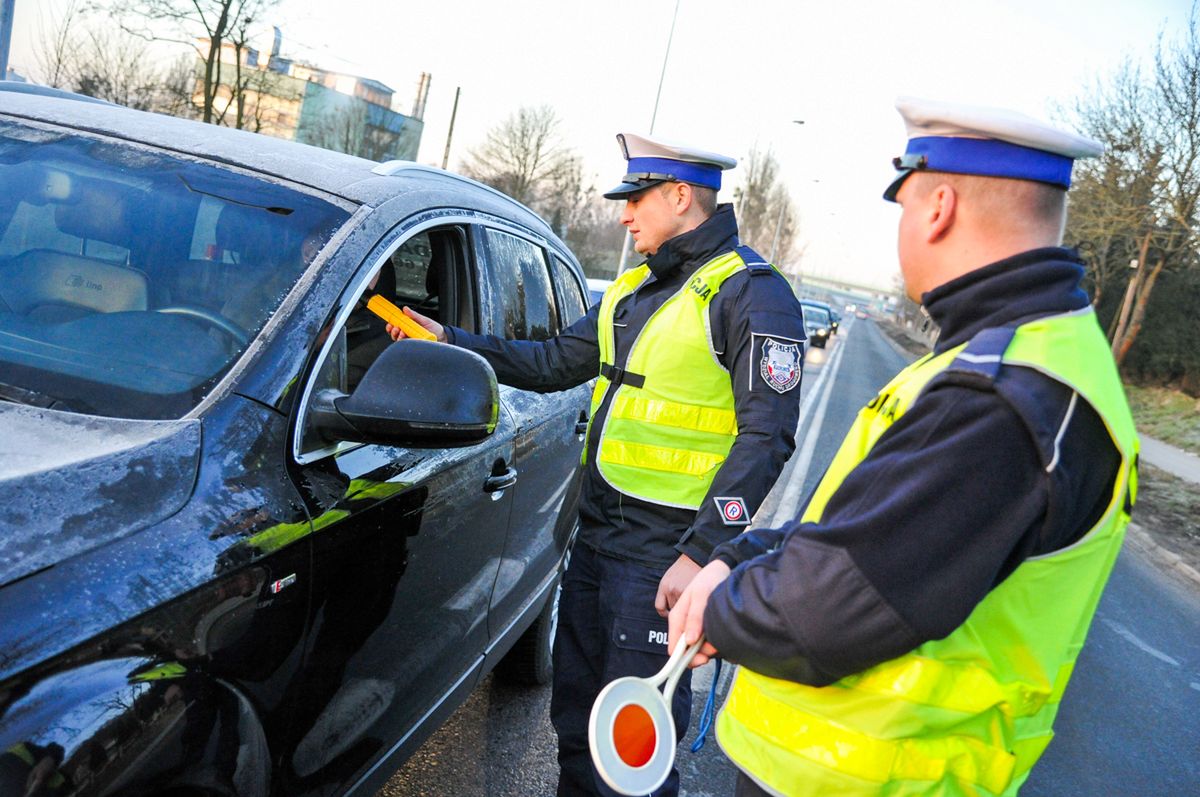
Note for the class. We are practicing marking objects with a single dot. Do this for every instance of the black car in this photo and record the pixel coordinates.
(249, 546)
(818, 323)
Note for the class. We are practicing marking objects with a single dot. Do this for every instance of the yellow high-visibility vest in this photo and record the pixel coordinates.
(671, 421)
(971, 713)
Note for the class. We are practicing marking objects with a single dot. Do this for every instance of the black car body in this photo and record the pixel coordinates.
(818, 323)
(249, 546)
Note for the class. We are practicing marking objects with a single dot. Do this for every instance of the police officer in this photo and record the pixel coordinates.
(912, 633)
(697, 354)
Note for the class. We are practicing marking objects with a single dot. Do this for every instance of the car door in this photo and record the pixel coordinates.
(521, 302)
(406, 543)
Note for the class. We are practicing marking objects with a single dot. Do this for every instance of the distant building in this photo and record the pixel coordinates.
(289, 99)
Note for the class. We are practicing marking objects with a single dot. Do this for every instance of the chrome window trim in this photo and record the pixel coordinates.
(414, 225)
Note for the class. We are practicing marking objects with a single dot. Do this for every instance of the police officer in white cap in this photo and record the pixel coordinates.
(913, 631)
(697, 353)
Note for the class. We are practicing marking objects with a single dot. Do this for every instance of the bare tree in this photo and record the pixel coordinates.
(115, 67)
(55, 48)
(177, 89)
(767, 219)
(524, 156)
(1139, 202)
(347, 129)
(81, 54)
(189, 21)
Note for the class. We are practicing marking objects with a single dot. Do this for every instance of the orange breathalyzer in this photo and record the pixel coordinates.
(397, 318)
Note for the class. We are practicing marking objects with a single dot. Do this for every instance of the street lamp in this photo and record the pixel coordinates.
(779, 218)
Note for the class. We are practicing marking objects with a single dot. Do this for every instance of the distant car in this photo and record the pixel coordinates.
(596, 289)
(834, 318)
(861, 313)
(818, 324)
(250, 546)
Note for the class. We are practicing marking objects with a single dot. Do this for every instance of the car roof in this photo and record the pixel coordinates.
(356, 179)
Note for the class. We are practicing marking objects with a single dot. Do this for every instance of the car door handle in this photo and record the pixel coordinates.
(494, 484)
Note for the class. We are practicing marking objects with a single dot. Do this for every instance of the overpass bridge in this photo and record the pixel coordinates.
(840, 293)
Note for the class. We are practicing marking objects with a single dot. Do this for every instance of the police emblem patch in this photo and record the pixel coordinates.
(733, 511)
(780, 365)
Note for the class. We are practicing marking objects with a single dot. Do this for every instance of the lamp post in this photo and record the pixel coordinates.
(779, 218)
(6, 18)
(625, 247)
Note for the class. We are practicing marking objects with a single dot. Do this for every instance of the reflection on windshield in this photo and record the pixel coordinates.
(130, 281)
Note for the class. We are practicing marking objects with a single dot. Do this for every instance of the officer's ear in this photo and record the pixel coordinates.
(940, 211)
(680, 197)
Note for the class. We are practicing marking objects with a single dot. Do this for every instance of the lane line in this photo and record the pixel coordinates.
(1132, 639)
(786, 509)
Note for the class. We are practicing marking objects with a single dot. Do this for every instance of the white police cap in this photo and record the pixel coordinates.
(653, 161)
(989, 142)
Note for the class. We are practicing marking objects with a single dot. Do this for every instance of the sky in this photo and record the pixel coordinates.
(737, 75)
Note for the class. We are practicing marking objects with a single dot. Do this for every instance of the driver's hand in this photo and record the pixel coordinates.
(437, 329)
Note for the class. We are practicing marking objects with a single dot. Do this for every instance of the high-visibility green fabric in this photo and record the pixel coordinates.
(664, 441)
(969, 714)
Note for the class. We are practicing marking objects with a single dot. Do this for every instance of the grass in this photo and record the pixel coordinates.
(1167, 415)
(1169, 510)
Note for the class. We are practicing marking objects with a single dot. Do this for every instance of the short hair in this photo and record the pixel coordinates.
(704, 197)
(1005, 200)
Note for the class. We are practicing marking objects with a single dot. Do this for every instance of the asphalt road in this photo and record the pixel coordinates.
(1130, 721)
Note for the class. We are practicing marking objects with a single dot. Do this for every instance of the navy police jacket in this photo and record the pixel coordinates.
(949, 501)
(751, 308)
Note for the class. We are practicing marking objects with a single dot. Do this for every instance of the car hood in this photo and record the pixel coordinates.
(70, 483)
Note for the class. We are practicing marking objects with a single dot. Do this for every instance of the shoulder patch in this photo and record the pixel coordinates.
(733, 511)
(780, 365)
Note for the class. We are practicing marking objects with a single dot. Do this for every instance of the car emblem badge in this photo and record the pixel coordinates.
(282, 584)
(780, 365)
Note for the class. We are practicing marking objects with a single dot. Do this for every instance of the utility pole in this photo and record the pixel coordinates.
(653, 118)
(450, 133)
(6, 18)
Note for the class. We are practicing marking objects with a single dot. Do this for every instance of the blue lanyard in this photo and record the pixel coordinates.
(706, 716)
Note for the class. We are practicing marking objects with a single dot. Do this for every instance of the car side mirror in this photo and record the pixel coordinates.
(416, 394)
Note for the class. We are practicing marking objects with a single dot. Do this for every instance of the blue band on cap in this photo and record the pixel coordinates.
(683, 171)
(989, 157)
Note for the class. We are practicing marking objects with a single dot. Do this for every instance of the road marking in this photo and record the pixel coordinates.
(1132, 639)
(822, 390)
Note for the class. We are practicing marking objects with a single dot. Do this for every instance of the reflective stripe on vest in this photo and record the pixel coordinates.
(969, 714)
(666, 434)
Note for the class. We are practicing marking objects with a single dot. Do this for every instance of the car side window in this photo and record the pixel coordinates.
(522, 306)
(571, 303)
(427, 272)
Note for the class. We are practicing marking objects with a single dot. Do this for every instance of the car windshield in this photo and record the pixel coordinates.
(130, 281)
(815, 317)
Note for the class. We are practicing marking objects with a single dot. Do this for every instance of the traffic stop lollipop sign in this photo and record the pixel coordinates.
(631, 734)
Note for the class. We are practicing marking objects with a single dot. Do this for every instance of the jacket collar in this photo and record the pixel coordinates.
(1036, 283)
(692, 249)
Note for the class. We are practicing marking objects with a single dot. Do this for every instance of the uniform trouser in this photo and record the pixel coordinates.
(607, 629)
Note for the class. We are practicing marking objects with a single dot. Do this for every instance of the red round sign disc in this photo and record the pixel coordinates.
(634, 736)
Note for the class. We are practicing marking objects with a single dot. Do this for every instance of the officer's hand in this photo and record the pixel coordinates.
(687, 617)
(678, 576)
(437, 329)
